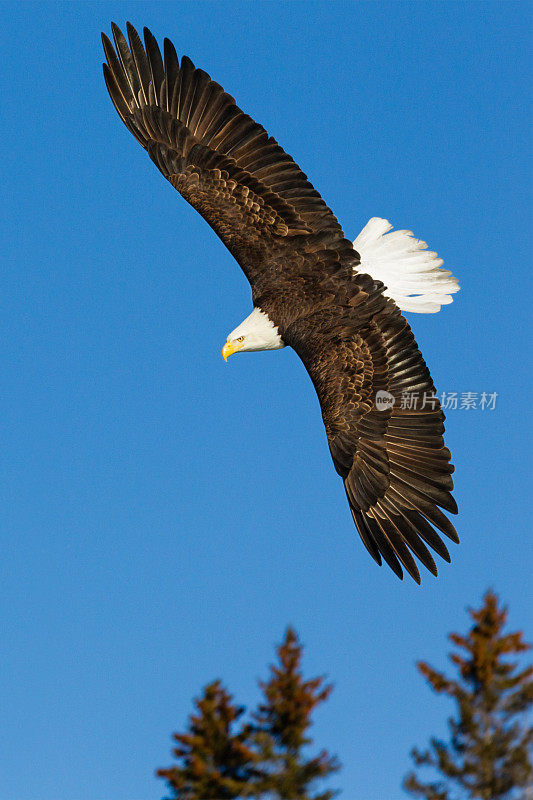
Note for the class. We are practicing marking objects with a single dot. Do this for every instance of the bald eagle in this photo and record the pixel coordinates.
(336, 303)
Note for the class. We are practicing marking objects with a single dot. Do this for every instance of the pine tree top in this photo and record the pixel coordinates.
(283, 721)
(290, 700)
(489, 752)
(485, 668)
(215, 761)
(221, 757)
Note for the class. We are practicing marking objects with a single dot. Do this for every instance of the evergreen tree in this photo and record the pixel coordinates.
(489, 752)
(282, 724)
(215, 763)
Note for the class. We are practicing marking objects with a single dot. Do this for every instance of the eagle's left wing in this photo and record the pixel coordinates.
(394, 465)
(226, 165)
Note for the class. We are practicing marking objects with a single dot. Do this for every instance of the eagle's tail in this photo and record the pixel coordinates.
(412, 274)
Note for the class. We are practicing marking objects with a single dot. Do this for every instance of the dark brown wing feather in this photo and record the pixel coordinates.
(225, 164)
(394, 465)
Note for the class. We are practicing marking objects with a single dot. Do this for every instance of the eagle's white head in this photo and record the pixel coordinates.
(256, 332)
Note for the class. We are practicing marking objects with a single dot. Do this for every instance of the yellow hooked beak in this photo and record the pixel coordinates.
(228, 350)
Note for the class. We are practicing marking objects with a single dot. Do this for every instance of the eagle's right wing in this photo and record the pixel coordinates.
(237, 177)
(394, 465)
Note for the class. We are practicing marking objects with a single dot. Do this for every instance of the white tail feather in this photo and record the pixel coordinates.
(411, 273)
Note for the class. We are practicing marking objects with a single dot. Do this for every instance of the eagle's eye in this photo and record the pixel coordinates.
(240, 339)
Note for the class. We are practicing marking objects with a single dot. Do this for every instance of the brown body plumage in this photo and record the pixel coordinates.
(352, 339)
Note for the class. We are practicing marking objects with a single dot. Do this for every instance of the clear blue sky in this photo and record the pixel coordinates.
(165, 515)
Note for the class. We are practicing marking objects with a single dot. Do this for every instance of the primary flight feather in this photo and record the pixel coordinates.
(337, 304)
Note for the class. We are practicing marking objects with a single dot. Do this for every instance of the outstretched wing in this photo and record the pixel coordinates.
(394, 465)
(239, 179)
